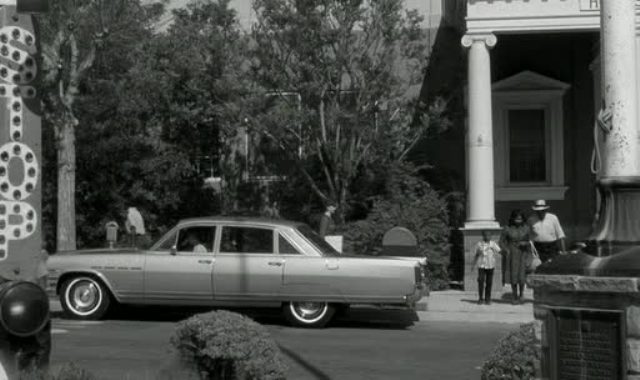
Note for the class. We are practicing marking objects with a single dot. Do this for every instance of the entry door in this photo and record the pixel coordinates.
(180, 270)
(247, 266)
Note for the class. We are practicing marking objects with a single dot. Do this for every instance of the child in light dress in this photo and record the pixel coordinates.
(486, 252)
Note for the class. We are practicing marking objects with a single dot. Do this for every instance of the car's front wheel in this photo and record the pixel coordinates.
(84, 298)
(309, 314)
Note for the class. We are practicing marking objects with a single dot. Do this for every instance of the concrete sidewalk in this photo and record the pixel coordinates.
(460, 306)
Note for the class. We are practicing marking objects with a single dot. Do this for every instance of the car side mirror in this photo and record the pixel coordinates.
(174, 250)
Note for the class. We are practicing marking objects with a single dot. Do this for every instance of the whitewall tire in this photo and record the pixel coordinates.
(308, 314)
(84, 297)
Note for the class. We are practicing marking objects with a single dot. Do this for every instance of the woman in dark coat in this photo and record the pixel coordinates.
(516, 245)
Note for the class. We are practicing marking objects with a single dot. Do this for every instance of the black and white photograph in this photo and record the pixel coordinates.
(319, 189)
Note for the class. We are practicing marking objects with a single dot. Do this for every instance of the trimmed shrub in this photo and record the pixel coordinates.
(411, 203)
(226, 345)
(68, 371)
(514, 356)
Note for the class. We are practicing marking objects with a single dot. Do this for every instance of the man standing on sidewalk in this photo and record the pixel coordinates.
(548, 236)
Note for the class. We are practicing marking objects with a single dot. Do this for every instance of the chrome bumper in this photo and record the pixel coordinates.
(420, 291)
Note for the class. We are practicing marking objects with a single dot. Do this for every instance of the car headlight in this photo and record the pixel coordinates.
(24, 308)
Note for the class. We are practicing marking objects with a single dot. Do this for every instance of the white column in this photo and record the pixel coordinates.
(479, 143)
(618, 58)
(637, 47)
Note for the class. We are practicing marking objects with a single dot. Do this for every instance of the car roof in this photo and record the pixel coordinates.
(241, 220)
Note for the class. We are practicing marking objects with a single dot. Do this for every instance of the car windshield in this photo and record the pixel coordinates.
(325, 248)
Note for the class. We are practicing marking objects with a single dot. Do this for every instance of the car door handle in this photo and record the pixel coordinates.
(275, 263)
(205, 261)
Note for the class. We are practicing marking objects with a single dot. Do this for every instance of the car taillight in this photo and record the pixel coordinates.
(24, 308)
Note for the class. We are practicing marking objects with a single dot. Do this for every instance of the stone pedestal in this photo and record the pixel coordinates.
(471, 237)
(617, 226)
(587, 312)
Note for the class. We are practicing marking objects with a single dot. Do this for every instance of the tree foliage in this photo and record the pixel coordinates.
(147, 107)
(355, 68)
(328, 89)
(71, 33)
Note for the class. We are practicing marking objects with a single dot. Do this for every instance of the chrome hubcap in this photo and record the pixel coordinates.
(85, 296)
(309, 310)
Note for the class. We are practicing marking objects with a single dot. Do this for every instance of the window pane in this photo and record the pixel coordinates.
(324, 247)
(246, 240)
(196, 239)
(168, 243)
(285, 247)
(527, 152)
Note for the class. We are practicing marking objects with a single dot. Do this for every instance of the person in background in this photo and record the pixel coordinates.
(516, 245)
(271, 210)
(547, 234)
(326, 221)
(485, 259)
(134, 225)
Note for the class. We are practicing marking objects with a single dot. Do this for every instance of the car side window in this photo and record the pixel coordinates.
(246, 240)
(286, 248)
(196, 239)
(168, 242)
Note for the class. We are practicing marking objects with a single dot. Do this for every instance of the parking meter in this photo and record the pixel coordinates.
(112, 233)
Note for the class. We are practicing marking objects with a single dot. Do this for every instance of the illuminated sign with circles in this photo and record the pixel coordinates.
(18, 219)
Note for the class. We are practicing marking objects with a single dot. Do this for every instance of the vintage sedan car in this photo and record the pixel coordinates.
(234, 262)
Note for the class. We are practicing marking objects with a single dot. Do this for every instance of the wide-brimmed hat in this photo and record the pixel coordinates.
(540, 205)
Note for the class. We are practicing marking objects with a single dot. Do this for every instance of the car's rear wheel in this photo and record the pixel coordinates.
(84, 297)
(309, 314)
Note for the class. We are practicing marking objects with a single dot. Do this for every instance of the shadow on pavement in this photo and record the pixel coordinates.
(355, 318)
(496, 301)
(313, 370)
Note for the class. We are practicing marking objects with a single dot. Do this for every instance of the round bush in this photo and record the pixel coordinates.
(226, 345)
(413, 204)
(514, 356)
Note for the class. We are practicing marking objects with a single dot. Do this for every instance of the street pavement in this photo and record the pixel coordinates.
(452, 305)
(449, 340)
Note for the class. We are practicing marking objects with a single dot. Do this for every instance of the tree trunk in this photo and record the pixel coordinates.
(66, 231)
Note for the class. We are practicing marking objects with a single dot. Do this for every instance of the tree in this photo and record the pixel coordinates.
(357, 66)
(207, 59)
(73, 31)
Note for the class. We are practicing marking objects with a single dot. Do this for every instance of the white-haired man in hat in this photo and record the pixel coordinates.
(547, 234)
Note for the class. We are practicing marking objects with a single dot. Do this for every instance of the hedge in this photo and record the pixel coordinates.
(514, 357)
(227, 345)
(68, 371)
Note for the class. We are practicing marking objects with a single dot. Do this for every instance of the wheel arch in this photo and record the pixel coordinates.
(95, 275)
